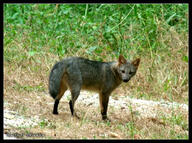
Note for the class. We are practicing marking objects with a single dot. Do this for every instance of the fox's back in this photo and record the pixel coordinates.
(93, 73)
(91, 69)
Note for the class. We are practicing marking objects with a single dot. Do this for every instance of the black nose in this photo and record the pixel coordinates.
(125, 80)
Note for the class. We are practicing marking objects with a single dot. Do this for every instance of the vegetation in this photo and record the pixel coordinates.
(38, 35)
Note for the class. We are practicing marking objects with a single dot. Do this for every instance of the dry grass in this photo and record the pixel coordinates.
(125, 124)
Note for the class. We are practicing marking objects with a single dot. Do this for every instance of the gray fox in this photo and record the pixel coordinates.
(76, 73)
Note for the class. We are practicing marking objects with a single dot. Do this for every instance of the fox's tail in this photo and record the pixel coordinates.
(55, 78)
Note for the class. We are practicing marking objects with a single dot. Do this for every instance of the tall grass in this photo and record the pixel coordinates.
(99, 28)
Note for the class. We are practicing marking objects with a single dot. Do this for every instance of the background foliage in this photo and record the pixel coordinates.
(99, 28)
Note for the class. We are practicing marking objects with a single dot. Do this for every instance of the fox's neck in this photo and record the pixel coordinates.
(114, 67)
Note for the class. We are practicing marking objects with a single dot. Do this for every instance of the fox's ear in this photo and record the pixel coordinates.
(136, 62)
(122, 60)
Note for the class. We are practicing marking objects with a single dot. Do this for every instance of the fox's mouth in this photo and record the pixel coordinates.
(125, 80)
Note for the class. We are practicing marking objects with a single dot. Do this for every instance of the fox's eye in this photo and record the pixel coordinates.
(123, 71)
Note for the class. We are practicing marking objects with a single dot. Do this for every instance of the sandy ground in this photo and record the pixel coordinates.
(144, 108)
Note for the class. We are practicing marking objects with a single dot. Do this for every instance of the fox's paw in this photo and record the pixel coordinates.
(55, 113)
(105, 118)
(76, 116)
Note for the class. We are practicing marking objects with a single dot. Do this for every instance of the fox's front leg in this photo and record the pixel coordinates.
(104, 99)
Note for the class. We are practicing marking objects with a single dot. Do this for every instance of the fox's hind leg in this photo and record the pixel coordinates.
(74, 95)
(63, 88)
(75, 88)
(74, 82)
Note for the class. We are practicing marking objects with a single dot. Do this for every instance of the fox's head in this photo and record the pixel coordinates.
(127, 69)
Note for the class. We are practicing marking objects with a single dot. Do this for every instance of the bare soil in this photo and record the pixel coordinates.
(30, 116)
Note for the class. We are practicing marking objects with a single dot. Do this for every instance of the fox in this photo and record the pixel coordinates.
(77, 73)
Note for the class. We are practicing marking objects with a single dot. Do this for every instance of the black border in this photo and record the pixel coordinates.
(110, 2)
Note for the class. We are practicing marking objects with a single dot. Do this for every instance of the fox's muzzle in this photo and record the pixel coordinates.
(125, 80)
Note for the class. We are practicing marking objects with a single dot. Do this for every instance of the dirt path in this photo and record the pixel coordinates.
(143, 108)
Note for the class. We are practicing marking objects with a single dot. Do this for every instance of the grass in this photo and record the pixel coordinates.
(38, 35)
